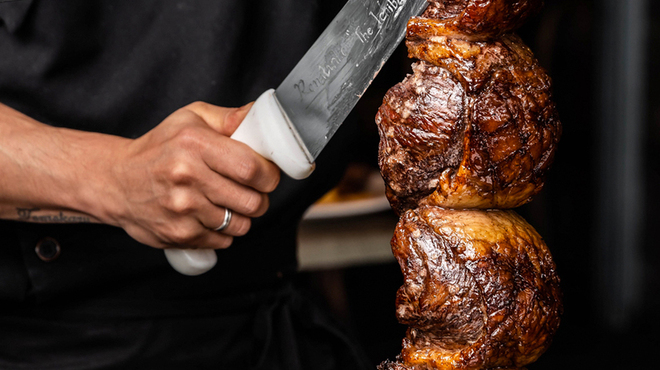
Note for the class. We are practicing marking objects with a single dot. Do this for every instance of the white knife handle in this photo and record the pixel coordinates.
(191, 262)
(266, 130)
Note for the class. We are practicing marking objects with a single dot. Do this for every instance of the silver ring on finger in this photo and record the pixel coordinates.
(227, 220)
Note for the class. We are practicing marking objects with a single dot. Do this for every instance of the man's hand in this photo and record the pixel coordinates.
(174, 183)
(168, 188)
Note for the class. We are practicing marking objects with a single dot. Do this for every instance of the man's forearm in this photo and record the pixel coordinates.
(50, 174)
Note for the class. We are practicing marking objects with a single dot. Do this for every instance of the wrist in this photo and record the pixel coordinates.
(51, 174)
(94, 190)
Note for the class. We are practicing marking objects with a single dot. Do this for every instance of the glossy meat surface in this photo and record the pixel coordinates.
(473, 130)
(483, 18)
(474, 126)
(480, 290)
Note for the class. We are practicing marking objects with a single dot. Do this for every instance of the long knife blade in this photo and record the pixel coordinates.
(291, 125)
(327, 83)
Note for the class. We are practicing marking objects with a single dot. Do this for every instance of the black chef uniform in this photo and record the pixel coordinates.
(79, 296)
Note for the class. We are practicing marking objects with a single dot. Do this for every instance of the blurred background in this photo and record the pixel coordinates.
(597, 211)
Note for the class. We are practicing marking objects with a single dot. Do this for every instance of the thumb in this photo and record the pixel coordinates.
(221, 119)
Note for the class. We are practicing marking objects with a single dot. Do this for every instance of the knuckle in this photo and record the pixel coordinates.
(181, 172)
(196, 105)
(181, 203)
(274, 182)
(244, 227)
(226, 242)
(253, 203)
(265, 203)
(247, 171)
(181, 119)
(189, 137)
(181, 235)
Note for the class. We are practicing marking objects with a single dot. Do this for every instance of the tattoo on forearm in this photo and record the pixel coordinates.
(33, 215)
(24, 213)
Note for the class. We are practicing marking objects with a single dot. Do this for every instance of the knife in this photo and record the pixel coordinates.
(292, 124)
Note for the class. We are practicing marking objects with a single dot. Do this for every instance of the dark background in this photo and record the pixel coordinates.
(597, 211)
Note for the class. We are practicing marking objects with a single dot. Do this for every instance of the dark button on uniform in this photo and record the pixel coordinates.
(48, 249)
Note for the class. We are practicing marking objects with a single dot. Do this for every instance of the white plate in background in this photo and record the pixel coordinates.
(371, 200)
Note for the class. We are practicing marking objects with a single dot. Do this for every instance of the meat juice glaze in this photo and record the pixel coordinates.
(472, 130)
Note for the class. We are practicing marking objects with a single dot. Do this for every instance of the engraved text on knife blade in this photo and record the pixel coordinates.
(327, 83)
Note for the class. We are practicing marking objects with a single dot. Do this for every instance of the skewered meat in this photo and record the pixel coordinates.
(480, 289)
(481, 18)
(474, 128)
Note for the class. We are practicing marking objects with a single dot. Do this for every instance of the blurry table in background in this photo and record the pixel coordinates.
(341, 242)
(350, 226)
(346, 261)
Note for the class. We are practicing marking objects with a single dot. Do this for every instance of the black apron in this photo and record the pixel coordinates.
(120, 67)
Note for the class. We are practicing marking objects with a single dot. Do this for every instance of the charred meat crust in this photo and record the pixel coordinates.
(474, 126)
(480, 289)
(484, 18)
